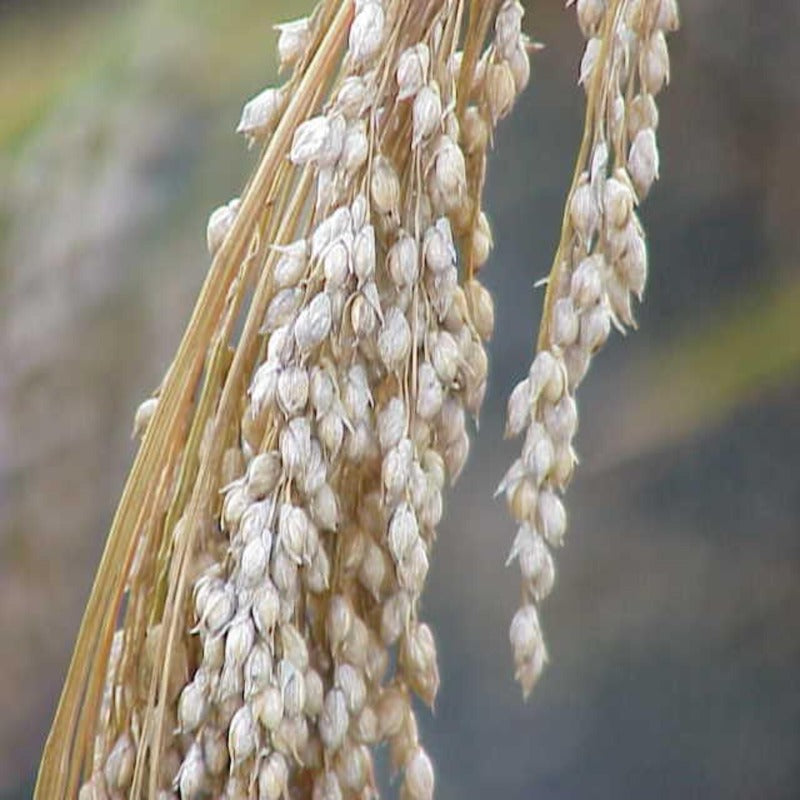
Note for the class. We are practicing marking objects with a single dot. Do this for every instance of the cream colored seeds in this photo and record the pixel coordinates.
(302, 641)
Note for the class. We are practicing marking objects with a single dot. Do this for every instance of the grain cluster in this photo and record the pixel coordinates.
(255, 630)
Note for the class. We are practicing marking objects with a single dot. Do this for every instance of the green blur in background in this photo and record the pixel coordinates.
(674, 631)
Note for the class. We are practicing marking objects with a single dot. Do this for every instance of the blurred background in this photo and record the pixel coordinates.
(674, 630)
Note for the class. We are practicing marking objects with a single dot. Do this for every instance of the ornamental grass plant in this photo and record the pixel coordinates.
(256, 629)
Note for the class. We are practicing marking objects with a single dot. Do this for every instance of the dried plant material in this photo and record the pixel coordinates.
(273, 542)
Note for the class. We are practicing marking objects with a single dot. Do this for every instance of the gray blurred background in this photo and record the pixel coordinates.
(674, 629)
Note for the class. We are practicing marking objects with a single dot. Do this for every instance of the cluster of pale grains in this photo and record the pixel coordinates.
(600, 264)
(303, 643)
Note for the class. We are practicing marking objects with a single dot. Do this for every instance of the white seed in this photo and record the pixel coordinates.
(419, 776)
(273, 777)
(430, 393)
(590, 14)
(565, 324)
(617, 200)
(118, 769)
(437, 247)
(668, 19)
(501, 90)
(339, 621)
(518, 413)
(391, 422)
(642, 113)
(561, 419)
(295, 446)
(445, 356)
(293, 39)
(654, 63)
(239, 641)
(263, 474)
(359, 211)
(242, 735)
(357, 396)
(191, 778)
(384, 186)
(576, 362)
(219, 223)
(335, 226)
(403, 531)
(412, 70)
(331, 432)
(355, 148)
(291, 265)
(507, 27)
(427, 113)
(265, 609)
(257, 670)
(393, 710)
(413, 570)
(546, 376)
(253, 566)
(453, 420)
(632, 266)
(322, 390)
(315, 471)
(396, 468)
(280, 346)
(351, 681)
(326, 787)
(525, 633)
(324, 508)
(394, 339)
(309, 140)
(353, 98)
(595, 328)
(530, 654)
(482, 242)
(365, 729)
(213, 653)
(364, 254)
(319, 572)
(520, 64)
(367, 32)
(448, 176)
(455, 456)
(261, 114)
(264, 387)
(643, 161)
(586, 286)
(373, 569)
(268, 707)
(313, 323)
(334, 720)
(583, 209)
(282, 309)
(402, 261)
(293, 687)
(590, 56)
(354, 766)
(418, 660)
(292, 392)
(536, 566)
(293, 526)
(144, 413)
(481, 308)
(395, 616)
(553, 518)
(219, 610)
(538, 453)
